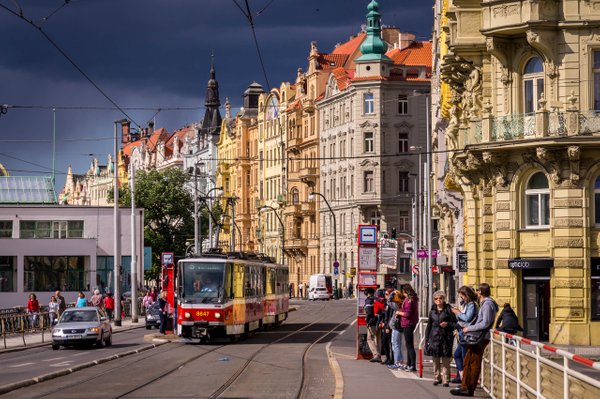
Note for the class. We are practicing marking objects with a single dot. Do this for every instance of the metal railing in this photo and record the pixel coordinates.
(420, 336)
(20, 323)
(515, 367)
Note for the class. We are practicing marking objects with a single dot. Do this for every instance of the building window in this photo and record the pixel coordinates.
(537, 198)
(368, 186)
(369, 142)
(295, 196)
(533, 84)
(402, 142)
(596, 71)
(8, 273)
(376, 218)
(402, 104)
(404, 223)
(369, 103)
(403, 181)
(597, 201)
(6, 228)
(49, 273)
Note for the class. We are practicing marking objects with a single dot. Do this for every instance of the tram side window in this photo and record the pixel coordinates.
(239, 281)
(228, 284)
(262, 281)
(248, 281)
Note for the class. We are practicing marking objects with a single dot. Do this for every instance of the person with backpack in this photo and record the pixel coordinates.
(465, 315)
(397, 332)
(508, 321)
(386, 332)
(485, 320)
(371, 319)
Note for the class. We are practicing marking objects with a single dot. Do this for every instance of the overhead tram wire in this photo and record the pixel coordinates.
(71, 61)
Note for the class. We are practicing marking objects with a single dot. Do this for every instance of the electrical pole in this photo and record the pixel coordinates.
(134, 309)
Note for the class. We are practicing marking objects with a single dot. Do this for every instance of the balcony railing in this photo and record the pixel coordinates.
(308, 208)
(542, 123)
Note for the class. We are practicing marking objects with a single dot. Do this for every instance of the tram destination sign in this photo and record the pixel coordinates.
(530, 263)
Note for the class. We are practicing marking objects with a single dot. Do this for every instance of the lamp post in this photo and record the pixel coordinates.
(134, 310)
(117, 230)
(336, 264)
(418, 210)
(219, 191)
(262, 208)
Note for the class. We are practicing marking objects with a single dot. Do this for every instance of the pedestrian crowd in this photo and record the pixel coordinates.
(461, 332)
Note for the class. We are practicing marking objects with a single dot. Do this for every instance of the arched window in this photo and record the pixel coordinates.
(295, 196)
(597, 201)
(533, 84)
(537, 199)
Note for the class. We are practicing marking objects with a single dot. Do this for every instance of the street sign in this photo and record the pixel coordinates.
(353, 271)
(415, 270)
(423, 253)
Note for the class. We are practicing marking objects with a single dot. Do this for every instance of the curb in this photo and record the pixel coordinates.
(49, 342)
(335, 367)
(45, 377)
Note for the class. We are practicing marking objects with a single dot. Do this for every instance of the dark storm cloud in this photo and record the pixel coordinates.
(156, 53)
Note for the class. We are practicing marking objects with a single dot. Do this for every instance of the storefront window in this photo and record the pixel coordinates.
(6, 228)
(8, 273)
(105, 274)
(49, 273)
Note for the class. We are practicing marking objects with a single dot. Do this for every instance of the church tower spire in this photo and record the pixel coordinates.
(373, 47)
(211, 124)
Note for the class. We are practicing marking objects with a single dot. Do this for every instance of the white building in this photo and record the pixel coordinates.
(48, 247)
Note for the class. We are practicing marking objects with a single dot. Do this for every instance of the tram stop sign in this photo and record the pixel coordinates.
(336, 268)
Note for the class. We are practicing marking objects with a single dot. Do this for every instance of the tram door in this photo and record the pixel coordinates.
(536, 306)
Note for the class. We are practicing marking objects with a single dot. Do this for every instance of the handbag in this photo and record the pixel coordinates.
(473, 338)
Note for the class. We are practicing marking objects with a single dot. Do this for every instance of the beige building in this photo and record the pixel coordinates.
(520, 133)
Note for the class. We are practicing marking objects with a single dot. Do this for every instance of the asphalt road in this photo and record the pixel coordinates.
(286, 362)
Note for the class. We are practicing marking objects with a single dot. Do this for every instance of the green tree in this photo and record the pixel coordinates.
(168, 212)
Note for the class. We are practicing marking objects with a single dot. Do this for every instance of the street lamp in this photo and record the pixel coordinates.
(219, 193)
(117, 230)
(336, 264)
(134, 310)
(262, 208)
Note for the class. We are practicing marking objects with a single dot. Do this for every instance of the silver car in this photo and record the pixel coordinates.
(87, 325)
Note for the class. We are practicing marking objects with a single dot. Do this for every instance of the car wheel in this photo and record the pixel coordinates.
(109, 340)
(148, 327)
(101, 343)
(55, 347)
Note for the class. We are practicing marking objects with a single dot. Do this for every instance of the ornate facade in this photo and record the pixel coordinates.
(519, 128)
(372, 111)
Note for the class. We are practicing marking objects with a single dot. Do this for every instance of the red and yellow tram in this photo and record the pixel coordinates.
(229, 295)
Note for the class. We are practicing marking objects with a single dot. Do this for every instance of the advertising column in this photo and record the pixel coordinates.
(367, 278)
(168, 282)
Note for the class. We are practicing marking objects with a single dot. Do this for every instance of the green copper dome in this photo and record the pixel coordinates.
(373, 48)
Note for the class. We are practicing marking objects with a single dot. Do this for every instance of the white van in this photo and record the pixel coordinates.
(319, 287)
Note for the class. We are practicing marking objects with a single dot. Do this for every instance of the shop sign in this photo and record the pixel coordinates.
(530, 263)
(462, 261)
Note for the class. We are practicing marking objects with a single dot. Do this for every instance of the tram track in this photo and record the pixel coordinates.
(304, 369)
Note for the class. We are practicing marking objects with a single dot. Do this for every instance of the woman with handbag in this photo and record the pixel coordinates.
(476, 338)
(409, 312)
(439, 337)
(396, 300)
(465, 315)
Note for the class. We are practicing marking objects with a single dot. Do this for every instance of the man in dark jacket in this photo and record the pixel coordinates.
(372, 328)
(507, 321)
(485, 320)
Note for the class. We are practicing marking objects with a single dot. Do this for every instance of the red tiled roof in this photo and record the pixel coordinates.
(331, 61)
(417, 54)
(294, 105)
(128, 148)
(159, 135)
(350, 46)
(343, 77)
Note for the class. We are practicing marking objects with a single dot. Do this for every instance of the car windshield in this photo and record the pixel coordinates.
(79, 315)
(201, 282)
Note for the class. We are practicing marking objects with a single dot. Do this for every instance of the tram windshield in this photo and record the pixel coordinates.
(202, 282)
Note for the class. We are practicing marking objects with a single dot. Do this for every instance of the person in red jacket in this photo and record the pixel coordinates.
(109, 305)
(33, 310)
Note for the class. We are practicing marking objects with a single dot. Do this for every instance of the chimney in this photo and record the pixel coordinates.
(151, 127)
(125, 132)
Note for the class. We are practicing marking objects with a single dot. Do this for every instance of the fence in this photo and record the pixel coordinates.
(16, 321)
(516, 367)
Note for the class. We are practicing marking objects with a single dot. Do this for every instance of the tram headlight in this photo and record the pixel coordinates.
(217, 315)
(187, 315)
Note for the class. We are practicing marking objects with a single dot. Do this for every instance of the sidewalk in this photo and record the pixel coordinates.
(16, 342)
(361, 379)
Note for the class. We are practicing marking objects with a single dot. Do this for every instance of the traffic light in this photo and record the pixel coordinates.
(393, 233)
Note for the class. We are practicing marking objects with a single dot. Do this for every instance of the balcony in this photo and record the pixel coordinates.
(296, 247)
(308, 175)
(541, 124)
(292, 209)
(294, 144)
(308, 105)
(309, 208)
(515, 17)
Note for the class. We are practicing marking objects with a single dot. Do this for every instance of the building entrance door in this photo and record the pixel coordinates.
(536, 307)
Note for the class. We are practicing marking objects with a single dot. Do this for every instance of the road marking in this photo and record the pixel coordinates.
(21, 365)
(53, 359)
(61, 364)
(79, 354)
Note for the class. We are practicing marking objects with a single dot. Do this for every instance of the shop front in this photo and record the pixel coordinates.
(535, 274)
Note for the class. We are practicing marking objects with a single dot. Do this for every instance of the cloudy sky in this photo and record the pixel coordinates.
(151, 54)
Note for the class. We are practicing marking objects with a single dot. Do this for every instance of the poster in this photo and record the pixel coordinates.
(367, 258)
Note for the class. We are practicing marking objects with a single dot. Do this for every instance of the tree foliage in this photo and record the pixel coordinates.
(168, 212)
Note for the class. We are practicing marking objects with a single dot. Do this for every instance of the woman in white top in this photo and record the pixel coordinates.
(53, 307)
